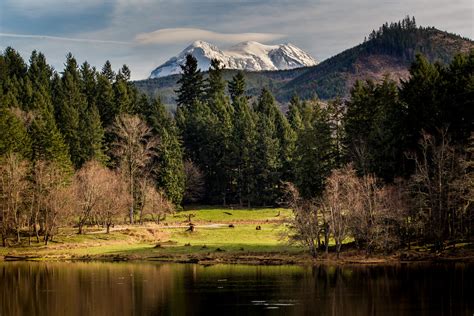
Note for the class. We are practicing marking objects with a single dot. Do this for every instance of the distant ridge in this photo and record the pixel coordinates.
(388, 51)
(249, 56)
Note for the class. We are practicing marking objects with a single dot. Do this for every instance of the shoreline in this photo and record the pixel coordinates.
(270, 259)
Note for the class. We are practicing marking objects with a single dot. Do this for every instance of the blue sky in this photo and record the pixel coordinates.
(145, 33)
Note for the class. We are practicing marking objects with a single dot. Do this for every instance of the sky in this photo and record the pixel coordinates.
(144, 34)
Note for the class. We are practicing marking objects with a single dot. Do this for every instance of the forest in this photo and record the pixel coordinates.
(389, 166)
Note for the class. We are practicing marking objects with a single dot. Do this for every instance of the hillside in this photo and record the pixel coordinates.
(388, 51)
(255, 80)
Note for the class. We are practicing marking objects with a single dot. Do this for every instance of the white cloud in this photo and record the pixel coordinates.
(175, 35)
(50, 7)
(68, 39)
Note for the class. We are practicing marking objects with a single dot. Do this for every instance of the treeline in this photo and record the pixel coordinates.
(407, 169)
(405, 39)
(74, 144)
(223, 147)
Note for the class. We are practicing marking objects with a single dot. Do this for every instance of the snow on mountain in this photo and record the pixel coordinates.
(250, 56)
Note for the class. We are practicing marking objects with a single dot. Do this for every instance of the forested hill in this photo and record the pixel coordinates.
(390, 50)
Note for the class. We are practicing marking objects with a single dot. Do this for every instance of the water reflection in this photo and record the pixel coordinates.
(175, 289)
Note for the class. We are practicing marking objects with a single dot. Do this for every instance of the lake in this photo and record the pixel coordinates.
(95, 288)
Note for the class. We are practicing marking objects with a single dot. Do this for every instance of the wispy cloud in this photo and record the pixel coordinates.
(69, 39)
(174, 35)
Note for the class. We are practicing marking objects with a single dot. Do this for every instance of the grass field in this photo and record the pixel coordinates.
(212, 234)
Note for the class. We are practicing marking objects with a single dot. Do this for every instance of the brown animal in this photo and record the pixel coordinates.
(258, 227)
(190, 228)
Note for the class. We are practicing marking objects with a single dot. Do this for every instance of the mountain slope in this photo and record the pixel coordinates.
(389, 51)
(249, 56)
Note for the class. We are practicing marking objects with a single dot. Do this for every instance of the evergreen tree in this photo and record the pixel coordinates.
(89, 84)
(294, 113)
(242, 145)
(48, 143)
(191, 84)
(169, 161)
(14, 137)
(106, 101)
(314, 151)
(266, 162)
(237, 86)
(70, 103)
(220, 164)
(108, 72)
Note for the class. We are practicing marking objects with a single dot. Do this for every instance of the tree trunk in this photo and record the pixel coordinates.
(338, 249)
(36, 234)
(326, 240)
(108, 228)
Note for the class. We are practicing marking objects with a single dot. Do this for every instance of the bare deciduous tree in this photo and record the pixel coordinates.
(194, 182)
(114, 198)
(50, 198)
(156, 204)
(337, 202)
(88, 186)
(13, 187)
(305, 222)
(135, 147)
(59, 202)
(439, 186)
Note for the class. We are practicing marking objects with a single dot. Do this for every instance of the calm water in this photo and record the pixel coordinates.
(178, 289)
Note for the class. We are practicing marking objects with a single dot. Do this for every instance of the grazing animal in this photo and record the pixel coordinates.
(231, 226)
(190, 228)
(258, 227)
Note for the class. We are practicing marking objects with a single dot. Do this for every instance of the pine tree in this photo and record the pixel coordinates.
(266, 162)
(70, 104)
(191, 84)
(14, 137)
(293, 115)
(169, 161)
(237, 86)
(314, 153)
(105, 101)
(242, 148)
(108, 72)
(48, 143)
(219, 177)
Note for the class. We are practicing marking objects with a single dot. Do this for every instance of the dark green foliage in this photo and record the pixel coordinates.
(237, 86)
(108, 72)
(169, 162)
(48, 143)
(70, 105)
(315, 151)
(242, 147)
(14, 137)
(191, 84)
(294, 113)
(106, 100)
(440, 96)
(375, 129)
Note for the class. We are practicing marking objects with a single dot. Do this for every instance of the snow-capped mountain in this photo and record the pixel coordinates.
(250, 56)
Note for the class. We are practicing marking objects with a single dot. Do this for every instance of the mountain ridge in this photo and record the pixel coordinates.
(388, 51)
(248, 56)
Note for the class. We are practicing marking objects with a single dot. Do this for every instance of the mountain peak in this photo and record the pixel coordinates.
(249, 55)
